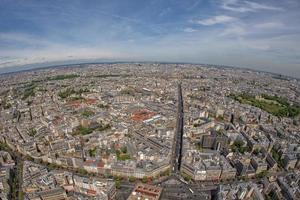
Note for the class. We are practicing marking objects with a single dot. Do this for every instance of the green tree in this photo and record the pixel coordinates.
(145, 179)
(118, 184)
(92, 152)
(132, 179)
(124, 149)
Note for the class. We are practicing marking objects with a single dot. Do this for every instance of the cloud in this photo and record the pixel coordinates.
(226, 31)
(247, 6)
(219, 19)
(22, 38)
(53, 55)
(257, 6)
(234, 30)
(38, 50)
(269, 25)
(189, 30)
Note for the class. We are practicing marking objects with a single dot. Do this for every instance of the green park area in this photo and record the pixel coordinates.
(87, 113)
(28, 91)
(62, 77)
(82, 130)
(92, 152)
(70, 91)
(122, 154)
(274, 105)
(239, 146)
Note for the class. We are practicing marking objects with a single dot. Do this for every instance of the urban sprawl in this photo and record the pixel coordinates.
(149, 131)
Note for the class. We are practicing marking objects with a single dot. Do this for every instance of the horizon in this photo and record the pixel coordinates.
(42, 66)
(258, 35)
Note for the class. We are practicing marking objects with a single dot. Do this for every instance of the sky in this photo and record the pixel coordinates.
(258, 34)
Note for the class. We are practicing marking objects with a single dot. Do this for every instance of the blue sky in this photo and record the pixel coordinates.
(258, 34)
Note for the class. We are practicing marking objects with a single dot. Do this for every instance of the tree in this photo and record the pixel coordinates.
(82, 171)
(92, 152)
(124, 149)
(32, 132)
(238, 145)
(145, 179)
(262, 174)
(118, 184)
(132, 179)
(165, 173)
(186, 177)
(118, 178)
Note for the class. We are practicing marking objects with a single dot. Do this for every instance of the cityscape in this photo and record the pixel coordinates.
(149, 100)
(141, 131)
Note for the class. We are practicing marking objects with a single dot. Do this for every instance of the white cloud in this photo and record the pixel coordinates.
(257, 6)
(234, 30)
(189, 30)
(247, 6)
(39, 50)
(269, 25)
(234, 5)
(52, 54)
(219, 19)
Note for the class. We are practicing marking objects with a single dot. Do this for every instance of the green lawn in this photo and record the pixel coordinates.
(66, 93)
(29, 91)
(122, 154)
(274, 105)
(70, 91)
(62, 77)
(87, 113)
(81, 130)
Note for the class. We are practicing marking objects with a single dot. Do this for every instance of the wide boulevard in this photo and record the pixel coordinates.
(177, 145)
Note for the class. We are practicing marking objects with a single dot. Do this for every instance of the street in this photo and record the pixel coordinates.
(177, 144)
